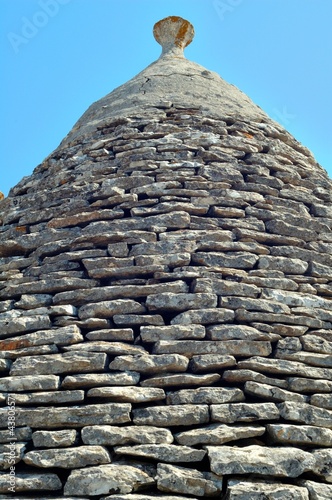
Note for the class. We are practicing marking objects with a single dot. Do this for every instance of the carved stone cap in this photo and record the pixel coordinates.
(174, 34)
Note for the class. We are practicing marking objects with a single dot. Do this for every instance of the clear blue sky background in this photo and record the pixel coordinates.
(59, 56)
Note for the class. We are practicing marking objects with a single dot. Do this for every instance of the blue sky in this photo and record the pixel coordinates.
(59, 56)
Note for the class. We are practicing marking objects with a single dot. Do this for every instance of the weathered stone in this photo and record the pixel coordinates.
(175, 479)
(282, 366)
(5, 365)
(322, 360)
(284, 264)
(242, 376)
(204, 317)
(183, 379)
(205, 395)
(235, 332)
(11, 325)
(29, 351)
(71, 416)
(260, 304)
(237, 260)
(102, 346)
(243, 412)
(217, 434)
(222, 287)
(30, 482)
(318, 491)
(165, 452)
(190, 348)
(33, 301)
(171, 332)
(306, 414)
(256, 490)
(272, 393)
(211, 362)
(172, 415)
(110, 435)
(83, 381)
(104, 479)
(55, 439)
(29, 383)
(61, 336)
(79, 297)
(244, 315)
(127, 394)
(180, 302)
(322, 401)
(54, 397)
(322, 464)
(20, 434)
(70, 458)
(288, 330)
(122, 334)
(137, 319)
(11, 454)
(284, 462)
(309, 385)
(42, 286)
(151, 364)
(59, 363)
(133, 496)
(315, 343)
(295, 299)
(300, 434)
(107, 309)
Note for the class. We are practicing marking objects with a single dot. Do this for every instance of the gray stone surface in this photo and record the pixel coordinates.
(59, 363)
(243, 412)
(190, 348)
(208, 395)
(318, 491)
(68, 458)
(306, 414)
(29, 383)
(71, 416)
(104, 479)
(171, 416)
(54, 439)
(256, 490)
(152, 364)
(128, 394)
(86, 381)
(174, 479)
(30, 482)
(110, 435)
(280, 462)
(217, 434)
(300, 434)
(163, 452)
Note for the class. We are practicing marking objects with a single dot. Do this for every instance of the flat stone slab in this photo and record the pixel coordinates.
(235, 348)
(300, 434)
(151, 364)
(112, 348)
(205, 395)
(11, 454)
(171, 332)
(216, 434)
(29, 383)
(243, 412)
(165, 416)
(54, 397)
(280, 462)
(71, 416)
(104, 479)
(284, 367)
(61, 336)
(183, 379)
(59, 363)
(174, 479)
(128, 394)
(255, 490)
(55, 439)
(111, 435)
(68, 458)
(163, 452)
(306, 414)
(30, 482)
(318, 491)
(211, 362)
(84, 381)
(169, 301)
(272, 393)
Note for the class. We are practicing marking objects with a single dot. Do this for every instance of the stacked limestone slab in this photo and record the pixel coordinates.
(165, 321)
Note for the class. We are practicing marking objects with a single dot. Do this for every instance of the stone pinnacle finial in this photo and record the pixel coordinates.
(174, 34)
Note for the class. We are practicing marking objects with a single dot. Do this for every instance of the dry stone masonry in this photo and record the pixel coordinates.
(166, 291)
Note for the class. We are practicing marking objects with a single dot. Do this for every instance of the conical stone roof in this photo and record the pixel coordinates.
(165, 324)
